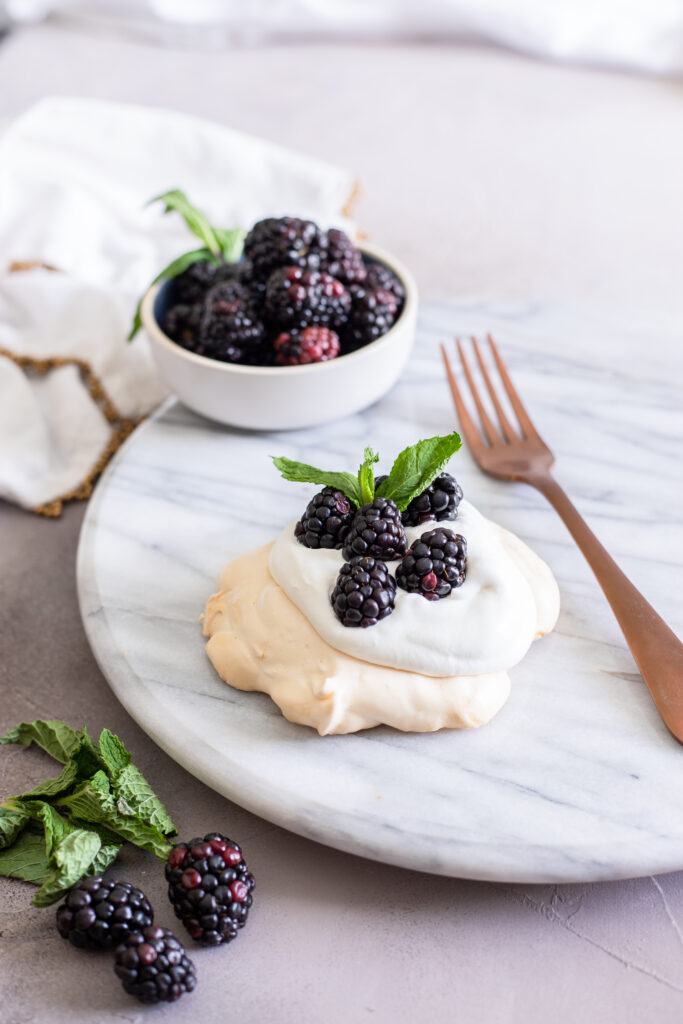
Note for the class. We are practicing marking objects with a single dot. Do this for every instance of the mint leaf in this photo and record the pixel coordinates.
(54, 787)
(175, 267)
(301, 473)
(93, 802)
(57, 738)
(26, 859)
(139, 798)
(417, 466)
(114, 754)
(105, 856)
(231, 243)
(366, 476)
(177, 201)
(55, 827)
(87, 758)
(69, 862)
(12, 823)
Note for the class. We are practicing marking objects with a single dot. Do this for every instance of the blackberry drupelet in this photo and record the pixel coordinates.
(376, 530)
(305, 298)
(365, 592)
(210, 888)
(98, 914)
(312, 345)
(381, 278)
(439, 501)
(230, 327)
(372, 313)
(154, 967)
(283, 242)
(326, 521)
(342, 259)
(435, 564)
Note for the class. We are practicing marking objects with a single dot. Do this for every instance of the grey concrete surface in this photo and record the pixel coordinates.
(490, 174)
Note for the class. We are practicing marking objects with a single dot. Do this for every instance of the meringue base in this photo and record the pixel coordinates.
(259, 640)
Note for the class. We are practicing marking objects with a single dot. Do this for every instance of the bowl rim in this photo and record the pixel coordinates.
(151, 325)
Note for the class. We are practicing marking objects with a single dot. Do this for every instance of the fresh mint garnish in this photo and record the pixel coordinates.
(197, 222)
(414, 470)
(417, 466)
(26, 859)
(57, 738)
(75, 824)
(12, 823)
(301, 473)
(219, 245)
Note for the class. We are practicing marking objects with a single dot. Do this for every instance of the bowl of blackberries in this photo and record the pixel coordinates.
(301, 326)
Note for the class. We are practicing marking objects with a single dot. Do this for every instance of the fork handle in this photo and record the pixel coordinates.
(656, 648)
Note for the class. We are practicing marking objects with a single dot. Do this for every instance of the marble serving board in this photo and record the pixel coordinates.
(576, 778)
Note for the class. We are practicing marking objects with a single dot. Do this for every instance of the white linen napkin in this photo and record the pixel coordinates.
(74, 178)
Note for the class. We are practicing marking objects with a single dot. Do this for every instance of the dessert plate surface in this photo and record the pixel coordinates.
(576, 779)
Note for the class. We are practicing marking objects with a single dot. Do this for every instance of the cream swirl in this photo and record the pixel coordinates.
(509, 597)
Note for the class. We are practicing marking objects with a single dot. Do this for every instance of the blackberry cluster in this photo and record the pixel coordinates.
(210, 888)
(439, 501)
(365, 592)
(190, 287)
(154, 967)
(376, 530)
(293, 277)
(98, 914)
(373, 312)
(312, 345)
(284, 242)
(305, 298)
(342, 259)
(326, 521)
(434, 565)
(230, 328)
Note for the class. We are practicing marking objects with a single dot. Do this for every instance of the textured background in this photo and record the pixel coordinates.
(490, 175)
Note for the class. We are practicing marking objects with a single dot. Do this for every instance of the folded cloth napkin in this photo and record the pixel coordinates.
(74, 179)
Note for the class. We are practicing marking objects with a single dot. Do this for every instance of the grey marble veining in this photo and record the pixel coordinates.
(576, 778)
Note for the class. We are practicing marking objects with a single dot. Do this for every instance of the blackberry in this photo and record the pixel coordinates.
(342, 259)
(283, 242)
(380, 277)
(210, 888)
(439, 501)
(435, 564)
(305, 298)
(154, 967)
(190, 287)
(376, 530)
(312, 345)
(181, 322)
(373, 312)
(326, 521)
(364, 592)
(98, 914)
(230, 327)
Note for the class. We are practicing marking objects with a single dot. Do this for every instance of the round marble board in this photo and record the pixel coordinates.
(576, 779)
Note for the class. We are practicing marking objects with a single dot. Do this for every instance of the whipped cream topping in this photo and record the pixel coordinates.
(487, 625)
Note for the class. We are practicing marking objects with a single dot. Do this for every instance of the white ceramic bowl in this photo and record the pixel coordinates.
(287, 397)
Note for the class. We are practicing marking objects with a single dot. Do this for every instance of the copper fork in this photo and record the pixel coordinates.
(519, 453)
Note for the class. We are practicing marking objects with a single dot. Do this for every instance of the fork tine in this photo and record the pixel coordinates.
(467, 425)
(490, 431)
(527, 426)
(505, 425)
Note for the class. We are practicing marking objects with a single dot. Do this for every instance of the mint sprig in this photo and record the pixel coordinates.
(75, 824)
(219, 245)
(413, 470)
